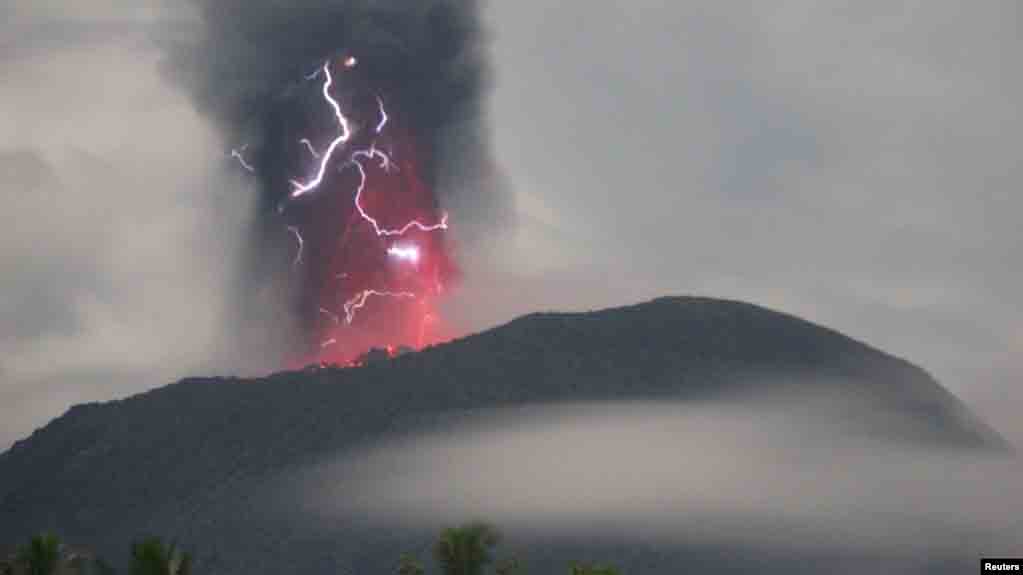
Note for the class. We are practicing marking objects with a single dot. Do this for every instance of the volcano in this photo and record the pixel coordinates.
(197, 460)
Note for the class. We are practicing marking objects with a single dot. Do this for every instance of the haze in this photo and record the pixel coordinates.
(773, 473)
(856, 165)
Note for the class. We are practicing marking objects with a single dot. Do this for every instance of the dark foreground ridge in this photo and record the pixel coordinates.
(177, 461)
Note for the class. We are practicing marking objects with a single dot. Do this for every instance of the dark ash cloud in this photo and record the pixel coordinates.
(245, 70)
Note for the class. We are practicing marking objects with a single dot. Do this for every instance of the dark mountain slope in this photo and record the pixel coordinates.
(165, 461)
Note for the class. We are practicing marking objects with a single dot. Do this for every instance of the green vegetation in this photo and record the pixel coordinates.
(409, 565)
(41, 556)
(151, 557)
(464, 550)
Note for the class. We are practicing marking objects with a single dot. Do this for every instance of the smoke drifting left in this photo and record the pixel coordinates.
(396, 87)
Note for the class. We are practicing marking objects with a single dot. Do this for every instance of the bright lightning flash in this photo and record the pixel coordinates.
(404, 252)
(385, 161)
(346, 133)
(408, 253)
(383, 115)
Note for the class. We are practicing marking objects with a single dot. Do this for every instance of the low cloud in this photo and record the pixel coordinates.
(780, 473)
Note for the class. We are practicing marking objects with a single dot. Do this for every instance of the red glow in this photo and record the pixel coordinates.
(347, 256)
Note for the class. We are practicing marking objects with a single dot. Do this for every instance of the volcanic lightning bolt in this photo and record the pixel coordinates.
(346, 133)
(383, 115)
(372, 152)
(355, 115)
(238, 154)
(422, 278)
(359, 301)
(301, 188)
(414, 224)
(301, 245)
(309, 146)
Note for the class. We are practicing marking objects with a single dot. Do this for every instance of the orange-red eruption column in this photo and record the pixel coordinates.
(372, 229)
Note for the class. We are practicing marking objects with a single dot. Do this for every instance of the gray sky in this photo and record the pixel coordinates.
(855, 165)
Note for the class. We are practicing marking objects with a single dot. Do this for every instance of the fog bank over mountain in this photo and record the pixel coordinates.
(693, 424)
(778, 476)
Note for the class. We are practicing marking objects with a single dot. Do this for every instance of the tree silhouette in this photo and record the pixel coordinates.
(409, 565)
(151, 557)
(41, 555)
(465, 550)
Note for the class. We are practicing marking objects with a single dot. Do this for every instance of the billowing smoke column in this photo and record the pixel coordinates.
(357, 122)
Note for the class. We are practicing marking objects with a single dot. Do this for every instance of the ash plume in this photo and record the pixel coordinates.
(254, 70)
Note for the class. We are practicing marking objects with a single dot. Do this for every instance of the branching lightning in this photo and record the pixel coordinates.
(372, 152)
(238, 154)
(345, 133)
(357, 302)
(309, 146)
(414, 224)
(359, 159)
